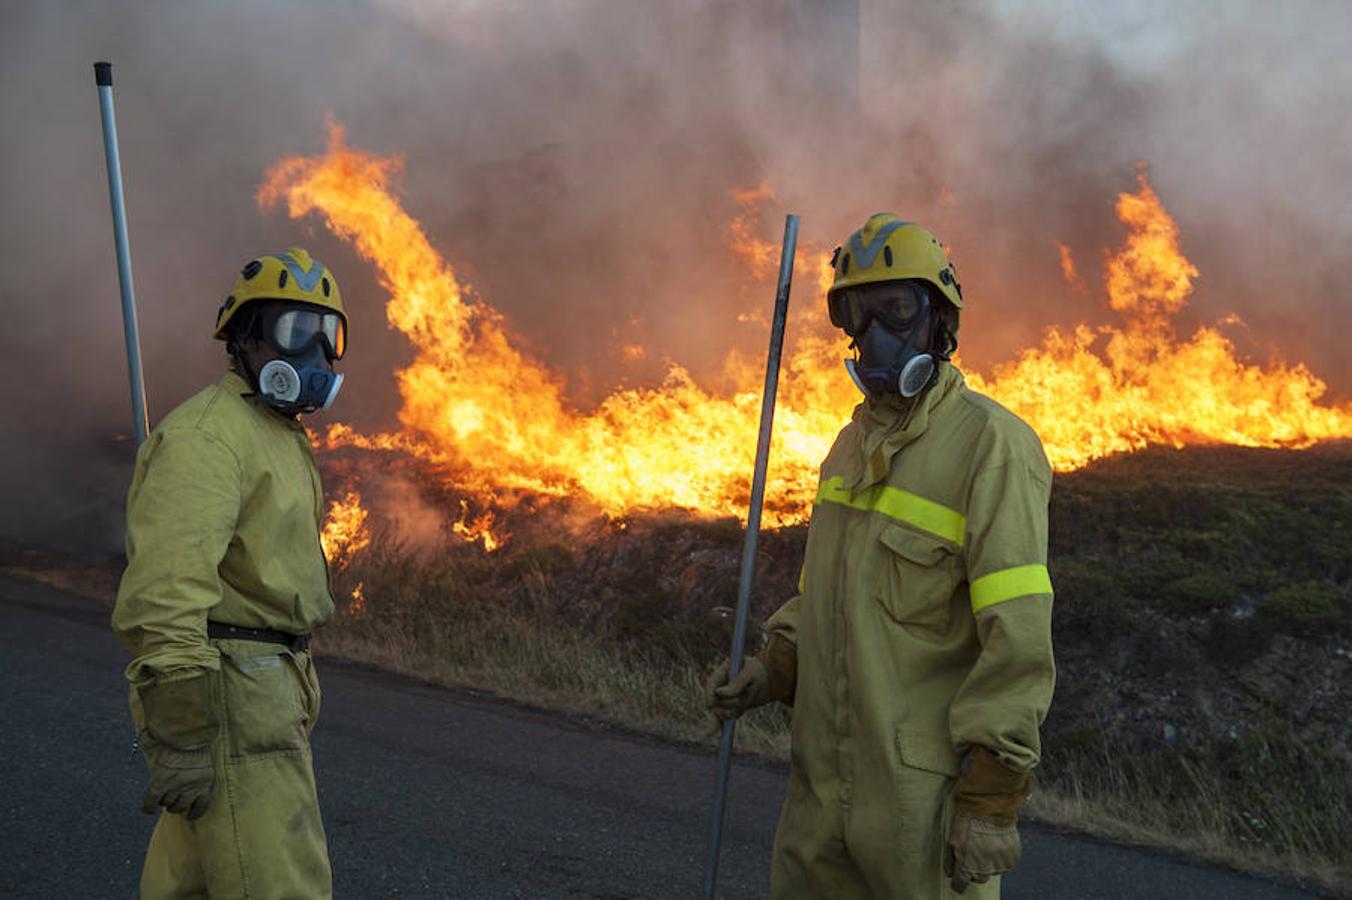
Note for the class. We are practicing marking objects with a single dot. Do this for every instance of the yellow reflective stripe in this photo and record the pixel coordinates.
(903, 506)
(802, 579)
(1006, 584)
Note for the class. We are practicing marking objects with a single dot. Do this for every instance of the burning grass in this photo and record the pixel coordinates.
(1204, 616)
(503, 421)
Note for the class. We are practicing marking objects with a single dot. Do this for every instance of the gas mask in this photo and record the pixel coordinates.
(304, 384)
(308, 340)
(875, 316)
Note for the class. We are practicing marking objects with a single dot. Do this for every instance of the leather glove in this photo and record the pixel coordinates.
(176, 742)
(770, 675)
(983, 839)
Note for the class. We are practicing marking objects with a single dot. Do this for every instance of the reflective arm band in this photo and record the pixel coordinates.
(1007, 584)
(802, 578)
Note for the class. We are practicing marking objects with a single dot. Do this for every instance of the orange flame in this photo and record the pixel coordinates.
(1147, 387)
(758, 254)
(1068, 270)
(358, 604)
(810, 263)
(344, 534)
(498, 419)
(477, 528)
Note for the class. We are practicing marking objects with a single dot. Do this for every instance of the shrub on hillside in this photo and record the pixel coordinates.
(1309, 604)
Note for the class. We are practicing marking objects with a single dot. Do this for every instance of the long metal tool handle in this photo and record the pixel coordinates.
(103, 78)
(752, 534)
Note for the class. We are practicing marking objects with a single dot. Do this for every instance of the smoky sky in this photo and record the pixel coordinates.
(575, 161)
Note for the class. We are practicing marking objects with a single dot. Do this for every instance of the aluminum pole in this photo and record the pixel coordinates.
(103, 78)
(752, 534)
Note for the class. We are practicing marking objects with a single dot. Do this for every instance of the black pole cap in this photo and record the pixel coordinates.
(103, 74)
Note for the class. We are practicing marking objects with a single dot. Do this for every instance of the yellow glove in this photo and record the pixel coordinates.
(770, 675)
(176, 742)
(983, 839)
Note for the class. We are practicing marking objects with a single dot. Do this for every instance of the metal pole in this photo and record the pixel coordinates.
(752, 533)
(103, 77)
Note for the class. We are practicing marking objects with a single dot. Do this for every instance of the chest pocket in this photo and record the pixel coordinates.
(918, 577)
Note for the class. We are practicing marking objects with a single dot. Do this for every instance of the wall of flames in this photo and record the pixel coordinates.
(477, 407)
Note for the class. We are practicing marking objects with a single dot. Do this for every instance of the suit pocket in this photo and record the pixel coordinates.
(929, 752)
(919, 575)
(264, 708)
(925, 768)
(311, 692)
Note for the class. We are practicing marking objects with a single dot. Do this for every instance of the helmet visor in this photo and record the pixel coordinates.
(896, 305)
(294, 330)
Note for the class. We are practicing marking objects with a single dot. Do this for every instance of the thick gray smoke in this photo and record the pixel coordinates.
(575, 160)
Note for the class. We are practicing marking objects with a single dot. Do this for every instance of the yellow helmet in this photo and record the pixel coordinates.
(888, 249)
(293, 275)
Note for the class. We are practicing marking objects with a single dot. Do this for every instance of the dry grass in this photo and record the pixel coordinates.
(1270, 814)
(425, 620)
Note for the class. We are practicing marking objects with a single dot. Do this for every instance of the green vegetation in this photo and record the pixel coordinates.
(1316, 604)
(1204, 606)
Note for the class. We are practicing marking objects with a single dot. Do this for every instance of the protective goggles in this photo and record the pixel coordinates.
(292, 330)
(896, 305)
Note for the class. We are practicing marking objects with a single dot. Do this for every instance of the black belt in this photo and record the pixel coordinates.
(222, 632)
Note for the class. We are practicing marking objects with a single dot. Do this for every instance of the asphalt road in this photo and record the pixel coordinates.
(430, 792)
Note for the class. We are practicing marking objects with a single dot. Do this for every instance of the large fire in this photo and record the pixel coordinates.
(498, 420)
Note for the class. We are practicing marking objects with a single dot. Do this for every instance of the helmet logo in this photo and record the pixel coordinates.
(305, 279)
(864, 256)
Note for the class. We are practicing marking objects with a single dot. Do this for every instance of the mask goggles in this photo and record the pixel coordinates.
(293, 330)
(896, 305)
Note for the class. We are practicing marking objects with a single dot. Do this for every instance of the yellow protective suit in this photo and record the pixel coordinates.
(223, 524)
(923, 628)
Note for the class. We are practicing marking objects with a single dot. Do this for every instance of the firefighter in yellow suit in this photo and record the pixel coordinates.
(917, 654)
(225, 581)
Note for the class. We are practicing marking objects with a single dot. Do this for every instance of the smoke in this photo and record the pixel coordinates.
(575, 160)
